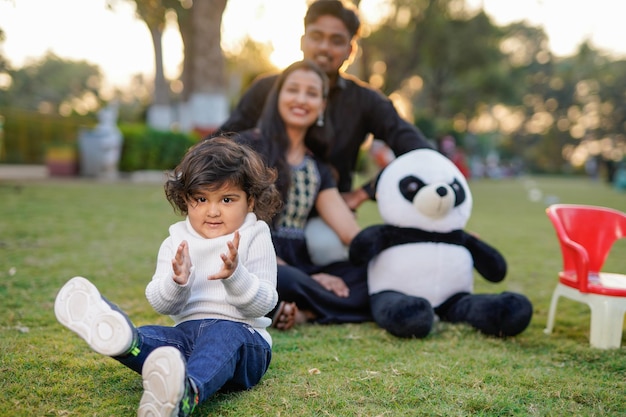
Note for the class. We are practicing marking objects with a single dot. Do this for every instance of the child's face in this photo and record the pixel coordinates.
(218, 212)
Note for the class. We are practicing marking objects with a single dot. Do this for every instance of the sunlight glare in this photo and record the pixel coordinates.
(279, 23)
(5, 81)
(173, 51)
(120, 44)
(373, 11)
(601, 21)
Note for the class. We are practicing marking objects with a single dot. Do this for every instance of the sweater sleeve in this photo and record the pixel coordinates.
(252, 287)
(163, 293)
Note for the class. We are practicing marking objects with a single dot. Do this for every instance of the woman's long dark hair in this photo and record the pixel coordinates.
(274, 142)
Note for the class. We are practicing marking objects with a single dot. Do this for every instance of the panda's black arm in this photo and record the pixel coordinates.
(368, 243)
(488, 261)
(374, 239)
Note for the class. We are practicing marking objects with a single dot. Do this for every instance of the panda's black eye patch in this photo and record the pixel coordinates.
(409, 186)
(459, 192)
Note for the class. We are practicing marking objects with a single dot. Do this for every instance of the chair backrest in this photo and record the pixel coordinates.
(586, 235)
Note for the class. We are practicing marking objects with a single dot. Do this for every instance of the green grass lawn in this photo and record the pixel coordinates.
(110, 233)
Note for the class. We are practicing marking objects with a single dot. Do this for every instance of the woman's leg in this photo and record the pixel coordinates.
(296, 286)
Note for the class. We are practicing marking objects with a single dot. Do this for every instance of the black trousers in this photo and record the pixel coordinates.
(297, 286)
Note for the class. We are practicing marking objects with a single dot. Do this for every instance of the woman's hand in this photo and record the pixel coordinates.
(355, 198)
(332, 283)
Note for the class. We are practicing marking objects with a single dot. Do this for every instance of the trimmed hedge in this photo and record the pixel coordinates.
(149, 149)
(27, 135)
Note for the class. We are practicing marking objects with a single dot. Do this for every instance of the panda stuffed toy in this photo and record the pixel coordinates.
(421, 261)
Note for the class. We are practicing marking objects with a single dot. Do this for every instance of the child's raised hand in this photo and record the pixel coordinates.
(229, 259)
(181, 264)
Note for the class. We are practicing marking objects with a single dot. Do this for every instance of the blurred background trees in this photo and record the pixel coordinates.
(54, 85)
(497, 90)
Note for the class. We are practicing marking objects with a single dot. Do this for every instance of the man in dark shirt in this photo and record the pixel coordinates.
(355, 109)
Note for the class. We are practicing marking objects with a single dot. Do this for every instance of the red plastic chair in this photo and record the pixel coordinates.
(586, 235)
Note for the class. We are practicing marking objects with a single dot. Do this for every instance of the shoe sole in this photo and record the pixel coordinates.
(164, 373)
(80, 307)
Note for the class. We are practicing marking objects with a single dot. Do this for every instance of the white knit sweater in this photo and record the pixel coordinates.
(246, 296)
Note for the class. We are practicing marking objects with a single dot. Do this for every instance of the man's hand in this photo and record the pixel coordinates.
(355, 198)
(332, 283)
(229, 259)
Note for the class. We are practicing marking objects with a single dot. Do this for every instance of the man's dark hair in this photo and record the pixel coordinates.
(336, 8)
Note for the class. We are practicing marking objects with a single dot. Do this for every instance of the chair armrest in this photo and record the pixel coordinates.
(578, 254)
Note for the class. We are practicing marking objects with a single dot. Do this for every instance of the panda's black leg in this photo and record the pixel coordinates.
(505, 314)
(402, 315)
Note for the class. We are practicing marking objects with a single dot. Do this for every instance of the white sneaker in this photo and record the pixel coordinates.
(80, 307)
(167, 392)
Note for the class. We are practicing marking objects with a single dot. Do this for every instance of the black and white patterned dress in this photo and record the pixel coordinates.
(295, 281)
(307, 180)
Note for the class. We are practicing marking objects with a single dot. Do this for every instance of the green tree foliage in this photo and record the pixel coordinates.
(4, 65)
(248, 63)
(499, 86)
(573, 110)
(54, 85)
(455, 55)
(494, 87)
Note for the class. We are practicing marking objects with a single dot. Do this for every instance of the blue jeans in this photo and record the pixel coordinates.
(221, 354)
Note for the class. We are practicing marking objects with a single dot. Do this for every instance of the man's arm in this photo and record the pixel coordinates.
(386, 124)
(250, 106)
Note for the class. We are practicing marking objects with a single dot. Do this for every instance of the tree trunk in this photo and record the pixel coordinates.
(186, 34)
(159, 113)
(208, 104)
(161, 90)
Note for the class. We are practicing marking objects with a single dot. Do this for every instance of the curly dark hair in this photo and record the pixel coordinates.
(220, 160)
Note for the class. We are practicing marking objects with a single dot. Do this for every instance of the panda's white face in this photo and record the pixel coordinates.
(424, 189)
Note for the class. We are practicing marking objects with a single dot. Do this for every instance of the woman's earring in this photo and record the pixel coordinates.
(320, 120)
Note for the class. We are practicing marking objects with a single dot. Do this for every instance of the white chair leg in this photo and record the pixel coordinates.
(607, 321)
(552, 312)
